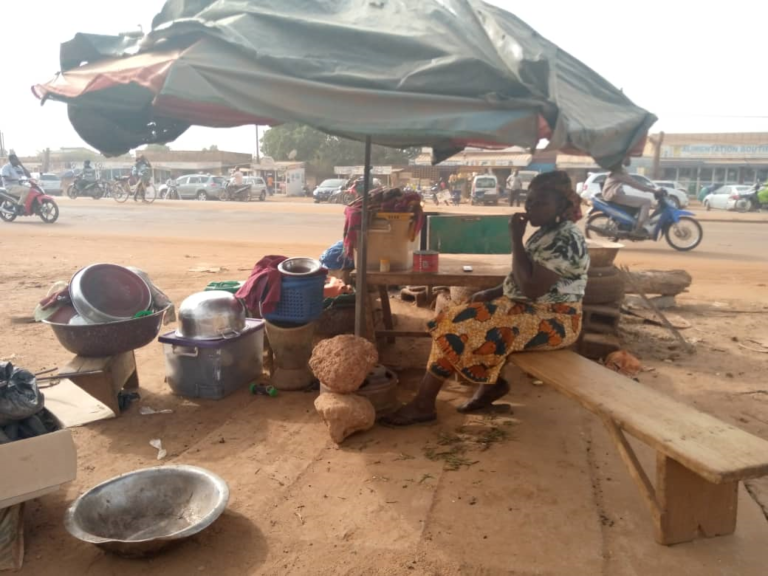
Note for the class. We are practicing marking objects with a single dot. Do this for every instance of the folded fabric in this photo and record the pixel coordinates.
(261, 292)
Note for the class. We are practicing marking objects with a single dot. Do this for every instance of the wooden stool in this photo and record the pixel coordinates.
(104, 377)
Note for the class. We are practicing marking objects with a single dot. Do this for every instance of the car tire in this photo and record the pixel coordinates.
(263, 196)
(202, 196)
(604, 290)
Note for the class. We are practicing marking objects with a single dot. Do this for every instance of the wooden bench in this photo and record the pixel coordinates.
(699, 459)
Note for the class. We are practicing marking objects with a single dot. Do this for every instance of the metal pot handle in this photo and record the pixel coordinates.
(229, 334)
(182, 351)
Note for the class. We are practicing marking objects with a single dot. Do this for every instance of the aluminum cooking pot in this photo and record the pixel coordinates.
(210, 316)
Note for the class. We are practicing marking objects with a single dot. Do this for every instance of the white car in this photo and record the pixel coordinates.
(49, 182)
(671, 185)
(594, 185)
(258, 187)
(727, 198)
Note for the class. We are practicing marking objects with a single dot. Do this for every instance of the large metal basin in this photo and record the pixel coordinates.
(602, 253)
(108, 339)
(142, 512)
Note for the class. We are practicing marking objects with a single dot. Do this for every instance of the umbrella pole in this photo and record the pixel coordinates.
(362, 249)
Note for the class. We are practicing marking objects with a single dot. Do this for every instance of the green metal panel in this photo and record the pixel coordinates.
(469, 234)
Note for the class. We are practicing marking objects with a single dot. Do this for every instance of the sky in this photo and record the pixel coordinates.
(700, 67)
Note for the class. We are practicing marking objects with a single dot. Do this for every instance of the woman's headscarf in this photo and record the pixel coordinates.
(559, 182)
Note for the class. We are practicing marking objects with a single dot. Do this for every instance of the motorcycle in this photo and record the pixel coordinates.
(171, 191)
(38, 204)
(81, 187)
(681, 230)
(751, 202)
(239, 193)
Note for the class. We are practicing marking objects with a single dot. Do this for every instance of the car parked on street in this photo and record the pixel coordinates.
(258, 187)
(728, 198)
(485, 190)
(671, 185)
(593, 185)
(326, 189)
(50, 183)
(199, 187)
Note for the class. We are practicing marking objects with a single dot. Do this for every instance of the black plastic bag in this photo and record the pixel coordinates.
(20, 397)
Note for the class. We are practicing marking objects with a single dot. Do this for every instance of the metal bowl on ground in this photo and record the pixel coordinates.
(380, 387)
(299, 266)
(602, 253)
(108, 293)
(142, 512)
(107, 339)
(211, 315)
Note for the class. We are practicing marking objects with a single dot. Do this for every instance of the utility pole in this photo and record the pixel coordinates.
(2, 145)
(657, 142)
(258, 153)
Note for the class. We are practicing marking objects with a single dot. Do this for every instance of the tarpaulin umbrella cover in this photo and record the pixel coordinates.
(441, 73)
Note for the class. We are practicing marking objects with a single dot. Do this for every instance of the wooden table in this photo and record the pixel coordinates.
(487, 272)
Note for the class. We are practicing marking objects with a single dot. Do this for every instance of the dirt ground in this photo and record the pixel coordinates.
(538, 489)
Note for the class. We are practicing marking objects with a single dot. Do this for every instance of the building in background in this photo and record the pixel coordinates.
(697, 160)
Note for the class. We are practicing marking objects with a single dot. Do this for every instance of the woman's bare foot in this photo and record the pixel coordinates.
(409, 414)
(485, 395)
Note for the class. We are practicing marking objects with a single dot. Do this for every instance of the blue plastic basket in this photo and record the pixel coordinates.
(301, 300)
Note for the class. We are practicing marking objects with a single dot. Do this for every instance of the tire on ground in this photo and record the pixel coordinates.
(604, 290)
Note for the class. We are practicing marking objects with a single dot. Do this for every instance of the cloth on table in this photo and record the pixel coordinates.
(57, 296)
(261, 292)
(474, 340)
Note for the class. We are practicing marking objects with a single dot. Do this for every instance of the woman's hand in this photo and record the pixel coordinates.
(517, 225)
(486, 295)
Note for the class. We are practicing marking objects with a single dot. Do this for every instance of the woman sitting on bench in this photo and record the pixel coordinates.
(537, 308)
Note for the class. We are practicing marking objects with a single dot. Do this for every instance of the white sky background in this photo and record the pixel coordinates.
(699, 67)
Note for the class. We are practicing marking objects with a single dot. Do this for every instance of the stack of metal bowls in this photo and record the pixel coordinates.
(210, 316)
(104, 293)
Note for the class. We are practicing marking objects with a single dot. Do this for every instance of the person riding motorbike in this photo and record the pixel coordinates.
(87, 177)
(12, 174)
(613, 191)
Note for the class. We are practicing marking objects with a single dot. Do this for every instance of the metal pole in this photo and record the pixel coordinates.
(362, 248)
(258, 152)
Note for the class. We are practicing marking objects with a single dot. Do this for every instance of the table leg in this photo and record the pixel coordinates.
(386, 310)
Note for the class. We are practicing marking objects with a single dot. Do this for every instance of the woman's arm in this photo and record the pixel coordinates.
(533, 279)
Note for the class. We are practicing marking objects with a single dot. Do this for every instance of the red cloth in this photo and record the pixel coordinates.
(261, 291)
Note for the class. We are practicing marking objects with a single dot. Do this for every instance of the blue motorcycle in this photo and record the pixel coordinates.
(607, 220)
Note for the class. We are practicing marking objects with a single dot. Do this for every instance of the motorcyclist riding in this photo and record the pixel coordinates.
(87, 177)
(613, 191)
(13, 173)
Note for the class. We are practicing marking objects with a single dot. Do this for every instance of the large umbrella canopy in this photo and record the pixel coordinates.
(439, 73)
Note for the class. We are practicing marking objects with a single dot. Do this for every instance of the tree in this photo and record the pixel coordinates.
(325, 151)
(158, 148)
(211, 148)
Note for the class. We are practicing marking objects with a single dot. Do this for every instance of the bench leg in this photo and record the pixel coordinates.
(691, 506)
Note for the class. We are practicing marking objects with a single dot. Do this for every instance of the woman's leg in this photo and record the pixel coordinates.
(485, 395)
(422, 407)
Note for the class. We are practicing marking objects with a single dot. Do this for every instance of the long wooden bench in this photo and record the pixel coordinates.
(700, 460)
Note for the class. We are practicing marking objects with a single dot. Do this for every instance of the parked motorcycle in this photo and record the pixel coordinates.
(682, 231)
(80, 187)
(171, 191)
(38, 204)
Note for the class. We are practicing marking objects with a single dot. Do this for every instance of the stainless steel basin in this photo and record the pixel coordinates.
(142, 512)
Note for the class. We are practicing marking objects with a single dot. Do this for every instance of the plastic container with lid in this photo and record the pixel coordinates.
(214, 369)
